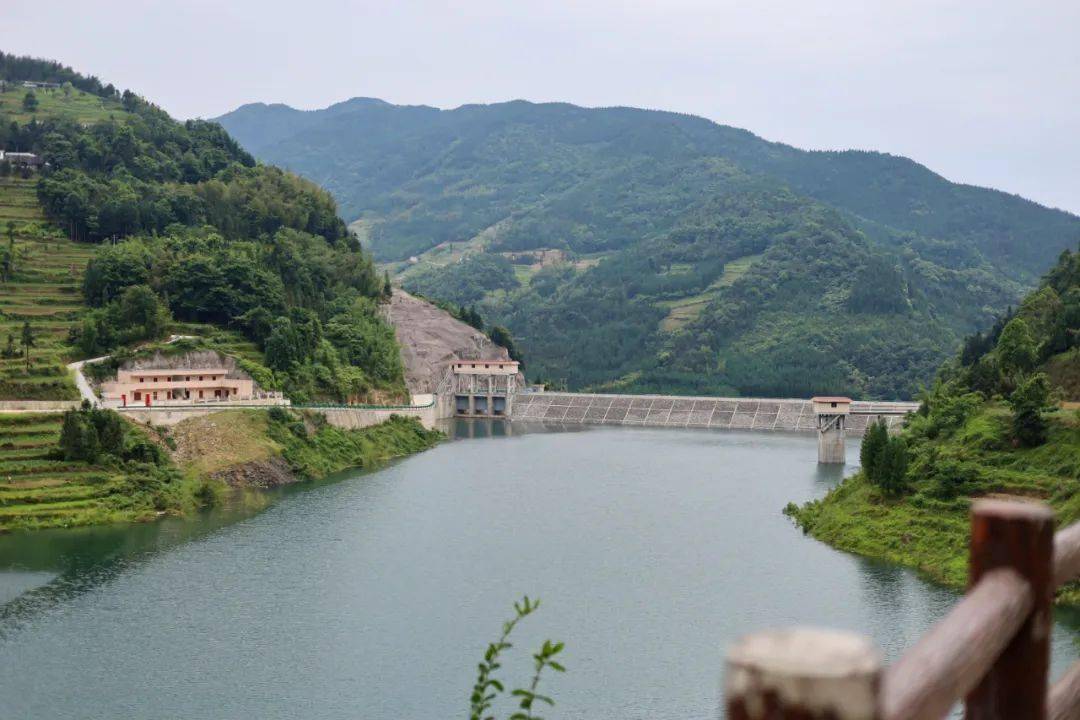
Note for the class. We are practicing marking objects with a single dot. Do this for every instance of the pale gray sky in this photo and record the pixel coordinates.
(983, 91)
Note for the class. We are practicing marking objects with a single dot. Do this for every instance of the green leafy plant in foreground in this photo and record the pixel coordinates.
(488, 687)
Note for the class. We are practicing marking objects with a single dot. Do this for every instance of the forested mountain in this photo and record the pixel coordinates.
(188, 227)
(649, 250)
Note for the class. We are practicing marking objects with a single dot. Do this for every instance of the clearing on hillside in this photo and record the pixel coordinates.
(685, 310)
(82, 107)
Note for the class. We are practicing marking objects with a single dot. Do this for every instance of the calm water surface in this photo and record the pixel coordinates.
(373, 596)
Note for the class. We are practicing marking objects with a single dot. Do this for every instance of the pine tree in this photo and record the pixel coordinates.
(877, 436)
(892, 465)
(28, 341)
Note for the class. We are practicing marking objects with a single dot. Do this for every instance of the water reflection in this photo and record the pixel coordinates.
(77, 560)
(828, 475)
(479, 428)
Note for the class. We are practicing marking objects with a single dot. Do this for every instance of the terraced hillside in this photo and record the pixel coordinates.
(44, 289)
(37, 491)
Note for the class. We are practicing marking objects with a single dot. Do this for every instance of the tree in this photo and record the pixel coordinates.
(387, 288)
(78, 436)
(110, 430)
(984, 376)
(30, 102)
(1029, 402)
(11, 351)
(1016, 348)
(892, 465)
(501, 336)
(67, 87)
(9, 257)
(28, 341)
(142, 313)
(875, 439)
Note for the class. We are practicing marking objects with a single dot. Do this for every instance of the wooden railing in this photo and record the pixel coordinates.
(992, 650)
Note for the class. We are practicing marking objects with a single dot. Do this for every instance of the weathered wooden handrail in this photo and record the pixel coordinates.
(1067, 555)
(803, 673)
(992, 649)
(1020, 536)
(950, 660)
(1063, 701)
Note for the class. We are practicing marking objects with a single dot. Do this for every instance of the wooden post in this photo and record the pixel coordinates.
(1019, 536)
(803, 674)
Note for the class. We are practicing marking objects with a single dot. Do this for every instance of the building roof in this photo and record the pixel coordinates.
(486, 362)
(830, 399)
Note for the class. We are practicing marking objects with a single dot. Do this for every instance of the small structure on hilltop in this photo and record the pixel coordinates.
(831, 413)
(21, 159)
(483, 388)
(201, 376)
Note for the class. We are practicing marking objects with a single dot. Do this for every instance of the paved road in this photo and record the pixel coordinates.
(82, 383)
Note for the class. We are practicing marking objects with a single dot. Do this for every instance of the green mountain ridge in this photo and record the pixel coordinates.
(634, 213)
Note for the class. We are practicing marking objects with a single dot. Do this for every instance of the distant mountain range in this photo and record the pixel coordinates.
(648, 250)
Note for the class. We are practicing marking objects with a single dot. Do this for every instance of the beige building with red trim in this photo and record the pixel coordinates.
(187, 385)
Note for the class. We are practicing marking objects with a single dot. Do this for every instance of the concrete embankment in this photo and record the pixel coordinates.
(703, 412)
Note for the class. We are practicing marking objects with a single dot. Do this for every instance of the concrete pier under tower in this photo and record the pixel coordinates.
(831, 413)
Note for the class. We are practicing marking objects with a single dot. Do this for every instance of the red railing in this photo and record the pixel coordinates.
(992, 650)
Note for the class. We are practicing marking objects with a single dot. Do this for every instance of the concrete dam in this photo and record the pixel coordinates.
(701, 412)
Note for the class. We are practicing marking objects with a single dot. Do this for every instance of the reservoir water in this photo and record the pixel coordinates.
(372, 595)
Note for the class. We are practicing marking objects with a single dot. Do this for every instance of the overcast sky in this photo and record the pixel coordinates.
(984, 91)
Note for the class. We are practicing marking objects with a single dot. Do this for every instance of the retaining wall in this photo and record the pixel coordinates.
(38, 405)
(355, 418)
(704, 412)
(351, 418)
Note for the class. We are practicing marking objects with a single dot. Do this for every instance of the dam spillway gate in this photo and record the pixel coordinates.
(482, 388)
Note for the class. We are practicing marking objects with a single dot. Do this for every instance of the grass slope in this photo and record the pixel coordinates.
(82, 107)
(45, 290)
(312, 448)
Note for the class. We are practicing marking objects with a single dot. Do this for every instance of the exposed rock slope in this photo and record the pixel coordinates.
(430, 338)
